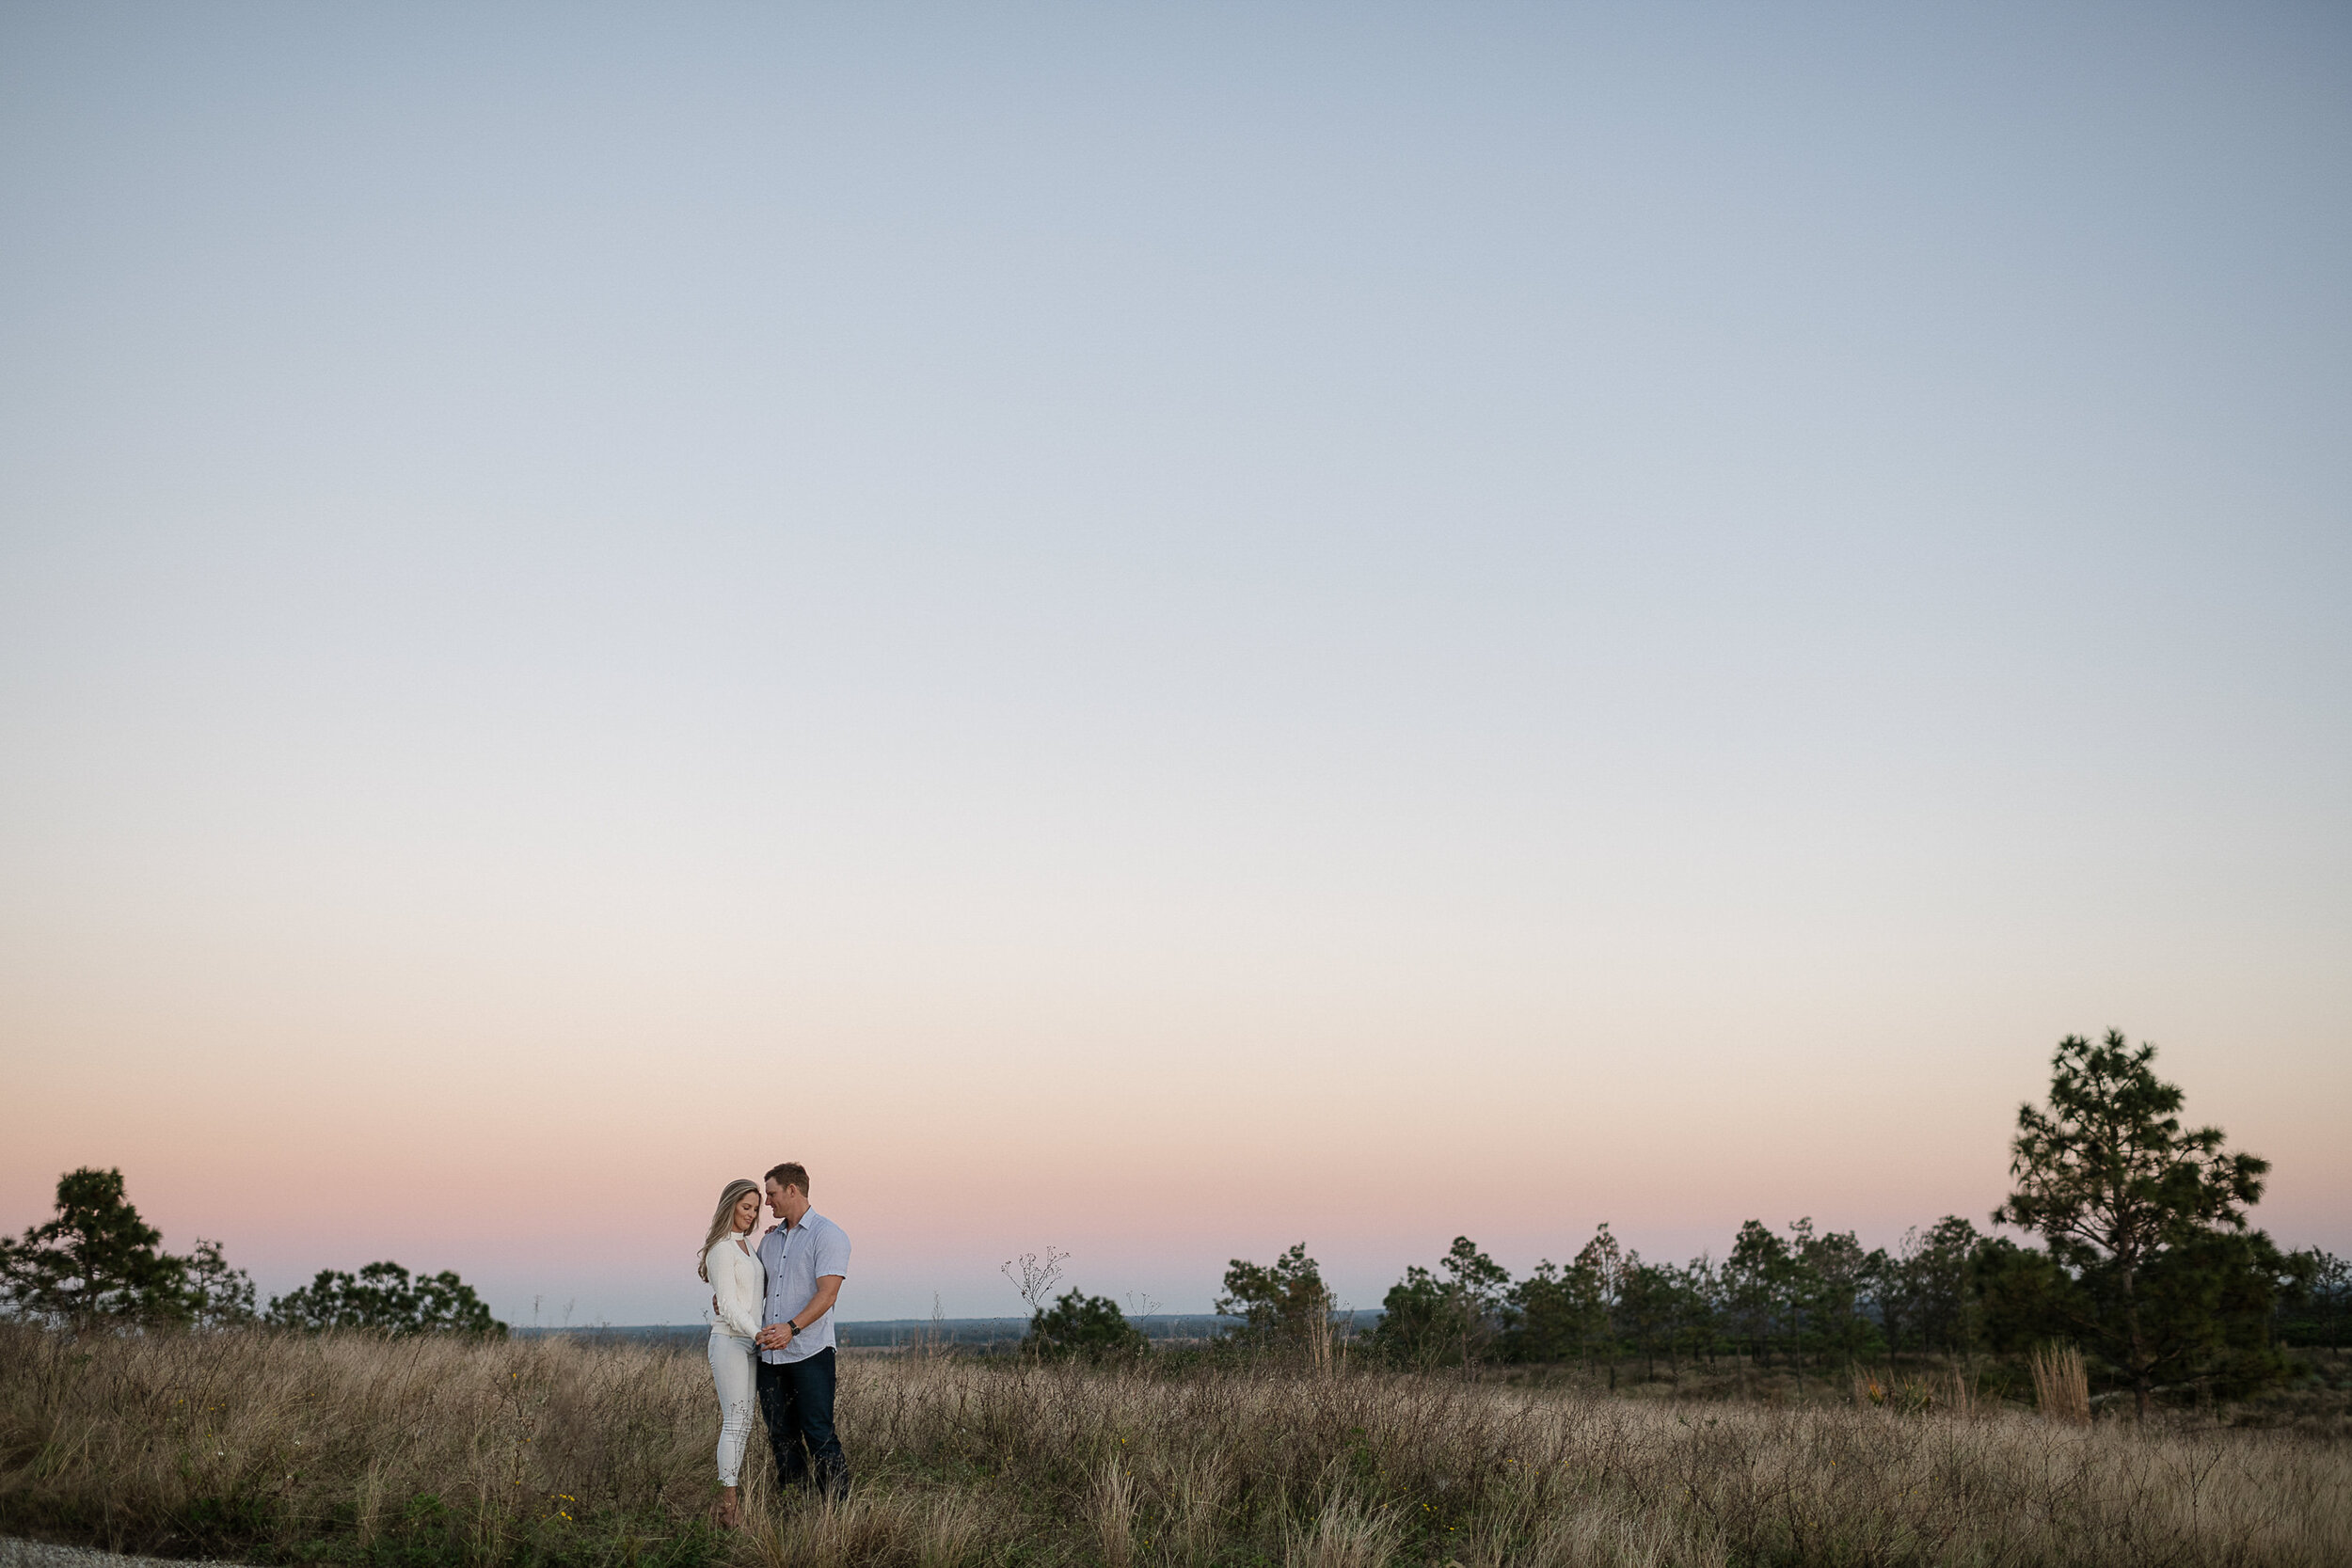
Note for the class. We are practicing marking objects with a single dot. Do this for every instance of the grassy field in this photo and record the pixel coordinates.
(424, 1453)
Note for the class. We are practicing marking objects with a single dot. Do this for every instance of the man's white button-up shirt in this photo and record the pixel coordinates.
(796, 1257)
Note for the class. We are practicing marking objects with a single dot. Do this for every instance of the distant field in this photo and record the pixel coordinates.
(555, 1450)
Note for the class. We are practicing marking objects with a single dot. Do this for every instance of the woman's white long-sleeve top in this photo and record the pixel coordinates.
(742, 1286)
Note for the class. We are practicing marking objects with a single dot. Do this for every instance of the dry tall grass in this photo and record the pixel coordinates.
(424, 1453)
(2061, 1385)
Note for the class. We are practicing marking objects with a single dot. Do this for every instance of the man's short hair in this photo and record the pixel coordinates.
(791, 1174)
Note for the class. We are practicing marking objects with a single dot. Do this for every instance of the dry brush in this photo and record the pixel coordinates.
(421, 1452)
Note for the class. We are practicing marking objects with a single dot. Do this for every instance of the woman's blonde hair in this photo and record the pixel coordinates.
(723, 1222)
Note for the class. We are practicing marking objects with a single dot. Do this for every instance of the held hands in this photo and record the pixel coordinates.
(774, 1337)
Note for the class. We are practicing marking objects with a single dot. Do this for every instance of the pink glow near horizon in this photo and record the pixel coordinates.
(587, 1183)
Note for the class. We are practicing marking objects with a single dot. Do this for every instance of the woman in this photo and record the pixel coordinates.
(739, 1289)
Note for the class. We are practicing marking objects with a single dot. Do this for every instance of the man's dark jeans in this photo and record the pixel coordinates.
(796, 1401)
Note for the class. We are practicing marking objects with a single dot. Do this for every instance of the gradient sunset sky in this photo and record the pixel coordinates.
(1159, 629)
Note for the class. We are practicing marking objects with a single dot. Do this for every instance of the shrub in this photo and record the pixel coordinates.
(385, 1298)
(1082, 1325)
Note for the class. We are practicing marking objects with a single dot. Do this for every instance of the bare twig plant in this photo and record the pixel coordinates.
(936, 1339)
(1034, 1275)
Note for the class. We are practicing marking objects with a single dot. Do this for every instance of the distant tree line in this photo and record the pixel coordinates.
(1806, 1298)
(2145, 1261)
(97, 1262)
(1809, 1300)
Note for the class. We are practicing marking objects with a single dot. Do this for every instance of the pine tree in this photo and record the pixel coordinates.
(96, 1260)
(2138, 1210)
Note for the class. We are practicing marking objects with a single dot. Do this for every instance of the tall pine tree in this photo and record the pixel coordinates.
(2147, 1218)
(96, 1258)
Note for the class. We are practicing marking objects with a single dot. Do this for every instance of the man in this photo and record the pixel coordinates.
(807, 1258)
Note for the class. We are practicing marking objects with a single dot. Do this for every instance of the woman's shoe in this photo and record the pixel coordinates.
(730, 1510)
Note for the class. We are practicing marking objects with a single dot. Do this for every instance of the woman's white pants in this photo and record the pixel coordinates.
(731, 1370)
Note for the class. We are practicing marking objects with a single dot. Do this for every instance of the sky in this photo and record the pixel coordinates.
(1159, 630)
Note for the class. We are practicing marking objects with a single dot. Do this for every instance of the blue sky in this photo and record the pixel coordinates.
(1123, 623)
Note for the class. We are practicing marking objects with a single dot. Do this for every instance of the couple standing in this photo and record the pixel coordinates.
(772, 1342)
